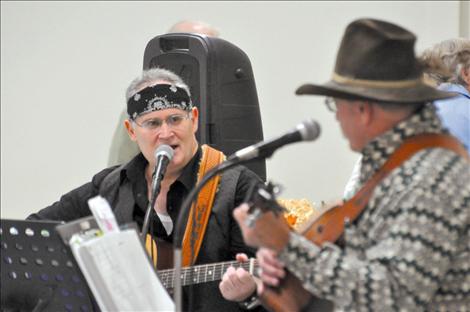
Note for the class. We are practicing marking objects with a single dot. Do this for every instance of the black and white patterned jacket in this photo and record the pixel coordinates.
(410, 249)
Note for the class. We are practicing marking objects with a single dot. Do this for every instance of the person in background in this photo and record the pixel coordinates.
(194, 27)
(160, 111)
(407, 248)
(122, 149)
(447, 64)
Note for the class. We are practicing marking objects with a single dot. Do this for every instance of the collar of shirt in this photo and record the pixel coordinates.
(134, 171)
(452, 87)
(377, 151)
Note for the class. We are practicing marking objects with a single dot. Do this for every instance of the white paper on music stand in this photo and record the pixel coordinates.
(120, 274)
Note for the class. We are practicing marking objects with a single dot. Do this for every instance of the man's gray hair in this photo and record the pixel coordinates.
(392, 106)
(151, 76)
(444, 61)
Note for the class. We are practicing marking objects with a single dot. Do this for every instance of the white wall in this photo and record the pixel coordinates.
(65, 67)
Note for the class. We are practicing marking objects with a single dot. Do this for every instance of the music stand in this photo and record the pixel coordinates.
(38, 273)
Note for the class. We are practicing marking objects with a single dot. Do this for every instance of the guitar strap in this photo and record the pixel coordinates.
(324, 230)
(200, 210)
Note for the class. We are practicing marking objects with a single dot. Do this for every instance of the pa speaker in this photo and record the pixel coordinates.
(222, 86)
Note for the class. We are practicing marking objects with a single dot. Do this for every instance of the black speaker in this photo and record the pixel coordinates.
(222, 85)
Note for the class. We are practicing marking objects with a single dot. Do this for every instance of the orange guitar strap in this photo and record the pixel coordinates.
(202, 208)
(200, 211)
(324, 230)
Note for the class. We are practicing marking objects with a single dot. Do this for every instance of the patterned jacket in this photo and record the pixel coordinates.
(410, 248)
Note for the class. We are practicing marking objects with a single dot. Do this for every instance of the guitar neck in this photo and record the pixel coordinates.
(202, 273)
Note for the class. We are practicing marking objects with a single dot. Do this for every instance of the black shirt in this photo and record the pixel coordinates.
(73, 205)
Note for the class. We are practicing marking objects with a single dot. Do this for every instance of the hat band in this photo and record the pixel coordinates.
(389, 84)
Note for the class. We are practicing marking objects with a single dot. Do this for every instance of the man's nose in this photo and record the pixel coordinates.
(165, 130)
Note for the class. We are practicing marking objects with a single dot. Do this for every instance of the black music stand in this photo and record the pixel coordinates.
(38, 273)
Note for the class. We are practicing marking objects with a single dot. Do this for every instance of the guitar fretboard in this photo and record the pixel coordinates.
(201, 273)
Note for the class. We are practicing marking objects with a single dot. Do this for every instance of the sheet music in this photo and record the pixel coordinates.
(120, 275)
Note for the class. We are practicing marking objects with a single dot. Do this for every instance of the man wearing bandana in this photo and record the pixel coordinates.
(122, 149)
(160, 111)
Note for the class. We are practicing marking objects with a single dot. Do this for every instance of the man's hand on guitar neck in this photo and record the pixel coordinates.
(268, 229)
(270, 232)
(237, 283)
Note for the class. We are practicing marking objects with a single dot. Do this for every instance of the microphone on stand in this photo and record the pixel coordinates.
(163, 155)
(308, 130)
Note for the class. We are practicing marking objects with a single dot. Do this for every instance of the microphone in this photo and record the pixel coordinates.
(163, 155)
(308, 130)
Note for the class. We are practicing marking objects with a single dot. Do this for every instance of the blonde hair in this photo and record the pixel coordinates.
(444, 61)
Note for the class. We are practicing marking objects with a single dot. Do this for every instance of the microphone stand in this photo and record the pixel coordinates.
(179, 230)
(156, 186)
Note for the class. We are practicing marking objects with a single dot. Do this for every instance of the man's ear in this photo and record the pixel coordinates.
(366, 111)
(130, 130)
(465, 74)
(195, 118)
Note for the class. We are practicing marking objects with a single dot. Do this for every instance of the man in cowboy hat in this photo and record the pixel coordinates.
(404, 236)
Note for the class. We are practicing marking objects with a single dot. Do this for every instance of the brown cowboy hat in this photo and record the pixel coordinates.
(376, 61)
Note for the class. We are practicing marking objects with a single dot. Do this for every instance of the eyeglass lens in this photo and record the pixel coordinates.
(171, 121)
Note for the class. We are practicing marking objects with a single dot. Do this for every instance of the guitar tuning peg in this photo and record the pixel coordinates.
(275, 188)
(278, 189)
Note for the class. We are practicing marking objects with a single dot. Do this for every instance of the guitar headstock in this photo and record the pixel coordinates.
(262, 198)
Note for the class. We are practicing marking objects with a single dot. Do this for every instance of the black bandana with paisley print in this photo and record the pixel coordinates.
(158, 97)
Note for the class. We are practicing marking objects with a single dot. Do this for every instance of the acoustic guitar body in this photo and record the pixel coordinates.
(290, 296)
(164, 255)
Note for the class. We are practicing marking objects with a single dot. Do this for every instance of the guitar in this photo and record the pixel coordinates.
(290, 295)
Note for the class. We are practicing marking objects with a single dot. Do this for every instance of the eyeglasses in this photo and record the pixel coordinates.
(172, 121)
(331, 104)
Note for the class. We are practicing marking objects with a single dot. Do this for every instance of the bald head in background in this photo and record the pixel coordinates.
(197, 27)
